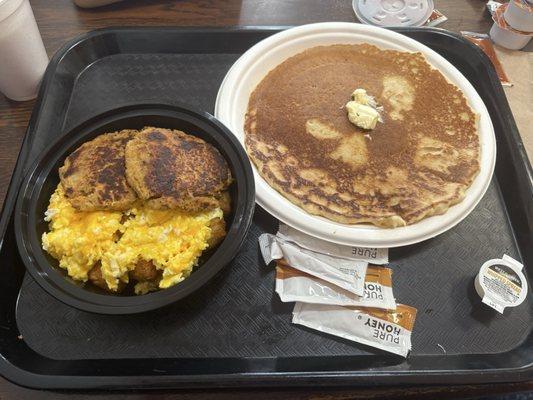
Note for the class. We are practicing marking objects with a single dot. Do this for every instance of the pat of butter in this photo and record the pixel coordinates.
(360, 96)
(362, 115)
(363, 110)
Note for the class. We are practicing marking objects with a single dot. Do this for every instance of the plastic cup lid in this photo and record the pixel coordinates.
(393, 12)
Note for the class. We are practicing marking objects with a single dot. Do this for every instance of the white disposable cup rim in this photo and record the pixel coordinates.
(8, 8)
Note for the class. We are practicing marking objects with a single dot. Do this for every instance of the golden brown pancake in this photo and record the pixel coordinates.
(170, 169)
(415, 164)
(93, 176)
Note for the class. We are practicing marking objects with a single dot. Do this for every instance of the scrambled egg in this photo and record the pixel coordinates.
(171, 239)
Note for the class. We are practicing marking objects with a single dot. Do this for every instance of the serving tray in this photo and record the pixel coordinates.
(235, 331)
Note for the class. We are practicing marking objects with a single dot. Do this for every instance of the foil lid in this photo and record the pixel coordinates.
(501, 283)
(393, 12)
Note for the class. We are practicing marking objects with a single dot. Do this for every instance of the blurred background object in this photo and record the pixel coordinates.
(513, 24)
(94, 3)
(23, 57)
(393, 12)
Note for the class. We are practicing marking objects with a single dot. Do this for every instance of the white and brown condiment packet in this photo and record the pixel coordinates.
(369, 254)
(386, 330)
(483, 41)
(295, 285)
(345, 273)
(436, 18)
(493, 5)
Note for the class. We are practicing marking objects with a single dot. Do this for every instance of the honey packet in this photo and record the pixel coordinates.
(369, 254)
(484, 42)
(436, 18)
(344, 273)
(386, 330)
(295, 285)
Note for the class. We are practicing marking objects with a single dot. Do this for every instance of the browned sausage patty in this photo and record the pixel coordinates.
(171, 169)
(94, 175)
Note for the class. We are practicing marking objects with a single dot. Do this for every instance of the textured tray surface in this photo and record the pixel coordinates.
(238, 315)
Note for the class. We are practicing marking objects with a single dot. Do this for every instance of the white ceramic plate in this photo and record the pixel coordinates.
(252, 67)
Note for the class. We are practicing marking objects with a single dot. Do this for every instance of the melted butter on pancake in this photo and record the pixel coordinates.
(320, 130)
(436, 155)
(282, 149)
(276, 170)
(314, 175)
(464, 116)
(399, 93)
(351, 150)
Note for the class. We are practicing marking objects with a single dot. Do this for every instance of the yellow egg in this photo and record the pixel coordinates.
(171, 239)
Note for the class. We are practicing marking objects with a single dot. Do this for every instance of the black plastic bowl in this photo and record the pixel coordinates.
(43, 178)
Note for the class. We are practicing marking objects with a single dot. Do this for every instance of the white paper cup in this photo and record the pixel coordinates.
(519, 16)
(23, 58)
(507, 38)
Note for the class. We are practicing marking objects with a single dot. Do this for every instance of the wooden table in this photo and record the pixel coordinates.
(60, 20)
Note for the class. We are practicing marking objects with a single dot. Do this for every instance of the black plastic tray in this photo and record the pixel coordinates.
(236, 332)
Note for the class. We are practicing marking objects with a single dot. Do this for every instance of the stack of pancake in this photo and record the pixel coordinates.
(415, 164)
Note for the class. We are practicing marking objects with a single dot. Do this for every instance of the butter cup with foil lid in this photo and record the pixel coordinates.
(519, 15)
(504, 34)
(501, 283)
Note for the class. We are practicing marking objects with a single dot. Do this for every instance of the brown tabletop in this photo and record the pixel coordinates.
(60, 20)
